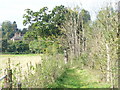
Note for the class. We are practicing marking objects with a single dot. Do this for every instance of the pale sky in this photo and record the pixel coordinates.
(13, 10)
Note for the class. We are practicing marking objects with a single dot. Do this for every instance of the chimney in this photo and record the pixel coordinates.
(16, 34)
(19, 34)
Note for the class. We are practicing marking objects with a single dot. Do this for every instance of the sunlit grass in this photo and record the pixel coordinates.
(77, 78)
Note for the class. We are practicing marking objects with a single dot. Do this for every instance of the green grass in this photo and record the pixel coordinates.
(12, 55)
(76, 78)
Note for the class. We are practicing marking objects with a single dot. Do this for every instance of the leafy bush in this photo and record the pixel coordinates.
(41, 75)
(18, 47)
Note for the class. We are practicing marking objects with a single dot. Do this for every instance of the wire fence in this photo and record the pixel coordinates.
(3, 77)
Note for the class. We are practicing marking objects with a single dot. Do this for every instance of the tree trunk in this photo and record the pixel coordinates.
(66, 56)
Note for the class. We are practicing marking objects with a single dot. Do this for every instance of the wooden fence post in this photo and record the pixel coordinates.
(9, 75)
(19, 86)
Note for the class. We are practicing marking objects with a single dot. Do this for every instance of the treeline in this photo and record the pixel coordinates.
(94, 44)
(8, 31)
(43, 34)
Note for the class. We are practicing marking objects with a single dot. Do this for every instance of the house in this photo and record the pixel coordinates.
(17, 37)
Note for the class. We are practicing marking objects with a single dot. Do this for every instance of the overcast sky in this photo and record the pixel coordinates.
(13, 10)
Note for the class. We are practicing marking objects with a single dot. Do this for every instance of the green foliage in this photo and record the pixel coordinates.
(42, 74)
(7, 30)
(30, 36)
(45, 22)
(100, 33)
(85, 16)
(35, 46)
(18, 47)
(24, 30)
(52, 49)
(4, 45)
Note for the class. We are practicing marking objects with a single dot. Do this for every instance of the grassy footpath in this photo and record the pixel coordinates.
(76, 78)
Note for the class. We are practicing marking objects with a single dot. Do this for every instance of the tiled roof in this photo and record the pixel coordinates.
(17, 38)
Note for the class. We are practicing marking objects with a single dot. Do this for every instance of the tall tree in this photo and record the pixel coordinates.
(74, 33)
(8, 29)
(14, 25)
(45, 22)
(85, 16)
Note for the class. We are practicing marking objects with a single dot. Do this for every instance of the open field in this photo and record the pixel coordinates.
(23, 59)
